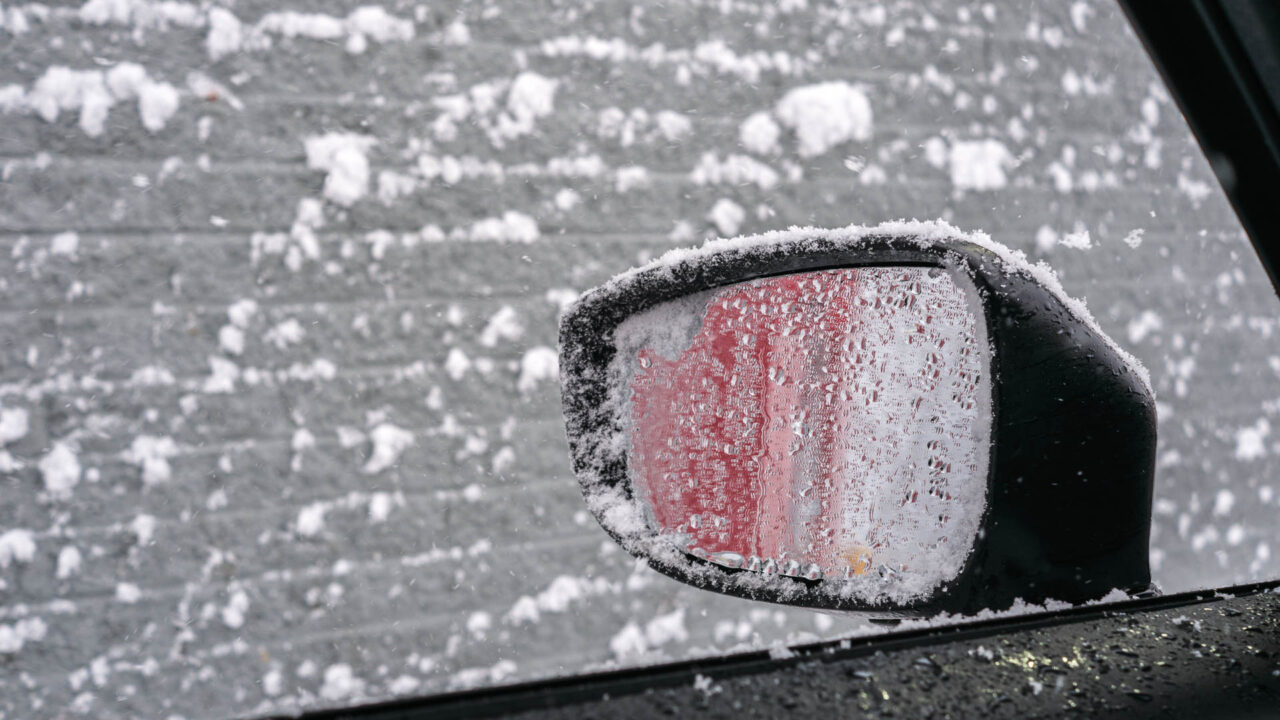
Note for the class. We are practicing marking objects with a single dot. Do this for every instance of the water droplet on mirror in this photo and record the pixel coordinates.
(727, 559)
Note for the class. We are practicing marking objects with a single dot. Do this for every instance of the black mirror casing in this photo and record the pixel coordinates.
(1073, 441)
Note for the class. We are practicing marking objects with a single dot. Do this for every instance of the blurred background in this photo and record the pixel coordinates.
(279, 415)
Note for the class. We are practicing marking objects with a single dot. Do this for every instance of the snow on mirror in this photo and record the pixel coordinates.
(831, 424)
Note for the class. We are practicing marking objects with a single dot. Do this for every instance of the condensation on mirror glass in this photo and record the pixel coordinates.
(279, 419)
(827, 425)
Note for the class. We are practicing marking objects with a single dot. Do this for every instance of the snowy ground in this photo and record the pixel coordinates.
(279, 423)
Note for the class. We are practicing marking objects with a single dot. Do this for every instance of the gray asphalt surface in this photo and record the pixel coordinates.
(357, 487)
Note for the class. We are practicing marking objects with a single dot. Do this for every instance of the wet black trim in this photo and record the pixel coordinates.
(568, 691)
(1219, 61)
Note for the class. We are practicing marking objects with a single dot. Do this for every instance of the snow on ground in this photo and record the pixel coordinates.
(733, 170)
(727, 216)
(16, 546)
(980, 165)
(538, 364)
(92, 93)
(825, 115)
(759, 134)
(344, 156)
(14, 424)
(61, 471)
(389, 442)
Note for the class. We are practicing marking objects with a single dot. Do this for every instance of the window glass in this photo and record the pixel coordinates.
(279, 414)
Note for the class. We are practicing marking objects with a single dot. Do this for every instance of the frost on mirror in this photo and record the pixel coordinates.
(831, 424)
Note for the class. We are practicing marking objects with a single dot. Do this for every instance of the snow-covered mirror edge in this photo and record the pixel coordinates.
(609, 500)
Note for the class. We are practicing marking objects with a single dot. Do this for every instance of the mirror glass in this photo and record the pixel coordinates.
(829, 424)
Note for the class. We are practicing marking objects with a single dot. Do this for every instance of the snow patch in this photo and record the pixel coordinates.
(826, 115)
(128, 593)
(980, 165)
(538, 364)
(226, 35)
(759, 134)
(14, 637)
(1250, 441)
(733, 170)
(531, 96)
(68, 562)
(144, 528)
(14, 424)
(1146, 323)
(513, 226)
(233, 613)
(65, 244)
(61, 471)
(727, 216)
(340, 682)
(365, 23)
(152, 454)
(504, 325)
(343, 156)
(17, 545)
(389, 441)
(93, 93)
(310, 520)
(1077, 240)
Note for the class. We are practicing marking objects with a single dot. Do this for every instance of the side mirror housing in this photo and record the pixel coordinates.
(896, 420)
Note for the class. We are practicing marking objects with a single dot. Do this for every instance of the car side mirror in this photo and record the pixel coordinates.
(897, 420)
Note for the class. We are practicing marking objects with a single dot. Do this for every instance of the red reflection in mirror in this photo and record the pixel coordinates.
(808, 416)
